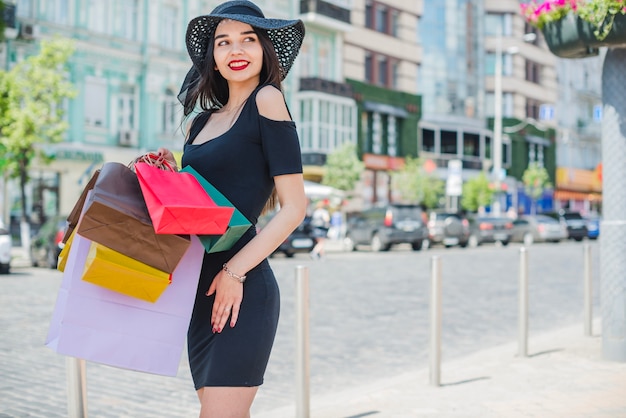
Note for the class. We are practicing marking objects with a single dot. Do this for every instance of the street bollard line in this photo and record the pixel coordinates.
(435, 321)
(523, 304)
(303, 369)
(76, 388)
(588, 291)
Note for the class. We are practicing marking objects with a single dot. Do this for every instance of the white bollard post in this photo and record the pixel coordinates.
(435, 321)
(76, 388)
(523, 304)
(303, 409)
(588, 291)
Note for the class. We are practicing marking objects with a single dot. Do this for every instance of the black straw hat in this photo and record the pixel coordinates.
(285, 35)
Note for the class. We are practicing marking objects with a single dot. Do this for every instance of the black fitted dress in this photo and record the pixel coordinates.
(240, 163)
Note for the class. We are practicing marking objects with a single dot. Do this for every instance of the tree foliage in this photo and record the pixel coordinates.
(32, 96)
(415, 185)
(536, 180)
(477, 193)
(343, 168)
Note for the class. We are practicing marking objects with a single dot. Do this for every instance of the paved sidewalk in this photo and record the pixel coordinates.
(563, 376)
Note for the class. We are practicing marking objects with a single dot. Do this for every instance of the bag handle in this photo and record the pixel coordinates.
(153, 159)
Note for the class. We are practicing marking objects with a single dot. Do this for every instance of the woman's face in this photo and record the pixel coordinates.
(237, 52)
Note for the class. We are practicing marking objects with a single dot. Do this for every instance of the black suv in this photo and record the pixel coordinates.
(576, 224)
(448, 228)
(383, 226)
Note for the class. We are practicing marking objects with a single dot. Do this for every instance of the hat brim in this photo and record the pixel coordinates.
(285, 35)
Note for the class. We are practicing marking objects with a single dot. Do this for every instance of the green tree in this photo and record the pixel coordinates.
(343, 168)
(536, 180)
(477, 193)
(415, 185)
(32, 96)
(2, 22)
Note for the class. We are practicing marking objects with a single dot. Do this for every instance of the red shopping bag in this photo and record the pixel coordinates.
(178, 204)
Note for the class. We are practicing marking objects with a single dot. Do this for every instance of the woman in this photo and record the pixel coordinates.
(245, 143)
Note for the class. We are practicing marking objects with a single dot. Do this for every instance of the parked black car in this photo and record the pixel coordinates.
(576, 224)
(382, 227)
(487, 229)
(301, 240)
(46, 244)
(448, 228)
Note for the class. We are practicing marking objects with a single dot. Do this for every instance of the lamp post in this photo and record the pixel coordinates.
(497, 125)
(497, 116)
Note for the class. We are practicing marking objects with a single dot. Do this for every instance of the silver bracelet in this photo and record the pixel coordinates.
(237, 277)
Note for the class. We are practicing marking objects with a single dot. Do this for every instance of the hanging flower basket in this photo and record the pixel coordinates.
(569, 37)
(577, 28)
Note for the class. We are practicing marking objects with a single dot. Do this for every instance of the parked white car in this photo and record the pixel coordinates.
(5, 250)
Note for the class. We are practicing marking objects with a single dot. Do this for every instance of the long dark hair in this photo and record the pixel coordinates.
(212, 93)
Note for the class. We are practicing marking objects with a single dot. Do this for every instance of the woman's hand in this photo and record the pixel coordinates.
(167, 155)
(228, 297)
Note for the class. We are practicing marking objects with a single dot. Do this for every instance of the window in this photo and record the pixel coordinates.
(95, 107)
(533, 72)
(57, 11)
(98, 19)
(428, 140)
(488, 147)
(471, 145)
(381, 70)
(126, 107)
(170, 112)
(127, 19)
(448, 142)
(169, 27)
(25, 8)
(381, 18)
(532, 108)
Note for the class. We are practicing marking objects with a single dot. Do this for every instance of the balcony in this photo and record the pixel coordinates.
(326, 86)
(328, 9)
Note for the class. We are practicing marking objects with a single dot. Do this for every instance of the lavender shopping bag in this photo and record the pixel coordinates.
(103, 326)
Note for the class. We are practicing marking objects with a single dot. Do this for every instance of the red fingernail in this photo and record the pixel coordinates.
(214, 330)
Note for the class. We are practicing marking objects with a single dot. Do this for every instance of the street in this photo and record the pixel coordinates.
(368, 321)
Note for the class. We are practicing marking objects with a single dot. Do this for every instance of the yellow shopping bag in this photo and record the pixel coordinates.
(115, 271)
(65, 251)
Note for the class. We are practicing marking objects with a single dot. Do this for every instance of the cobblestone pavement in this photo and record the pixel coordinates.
(369, 328)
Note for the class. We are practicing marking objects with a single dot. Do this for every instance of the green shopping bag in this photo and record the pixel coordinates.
(237, 226)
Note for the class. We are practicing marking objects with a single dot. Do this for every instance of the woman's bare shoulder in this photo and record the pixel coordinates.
(271, 103)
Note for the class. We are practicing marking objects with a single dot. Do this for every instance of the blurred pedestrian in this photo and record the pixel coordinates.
(320, 221)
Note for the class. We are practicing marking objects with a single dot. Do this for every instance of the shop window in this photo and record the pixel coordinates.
(448, 142)
(471, 145)
(428, 140)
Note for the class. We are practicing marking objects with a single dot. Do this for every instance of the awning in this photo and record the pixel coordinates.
(571, 195)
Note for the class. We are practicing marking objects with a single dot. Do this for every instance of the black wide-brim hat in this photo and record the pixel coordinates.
(286, 36)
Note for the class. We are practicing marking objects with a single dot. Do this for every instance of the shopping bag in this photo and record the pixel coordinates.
(116, 216)
(62, 260)
(178, 204)
(72, 218)
(103, 326)
(115, 271)
(237, 226)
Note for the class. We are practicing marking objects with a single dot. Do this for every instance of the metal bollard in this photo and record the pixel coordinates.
(588, 291)
(523, 304)
(303, 368)
(435, 321)
(76, 388)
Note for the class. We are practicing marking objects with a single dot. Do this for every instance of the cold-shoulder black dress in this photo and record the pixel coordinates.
(241, 163)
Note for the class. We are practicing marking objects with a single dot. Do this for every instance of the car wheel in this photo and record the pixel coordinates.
(289, 254)
(348, 244)
(376, 244)
(504, 243)
(473, 241)
(528, 239)
(5, 268)
(417, 245)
